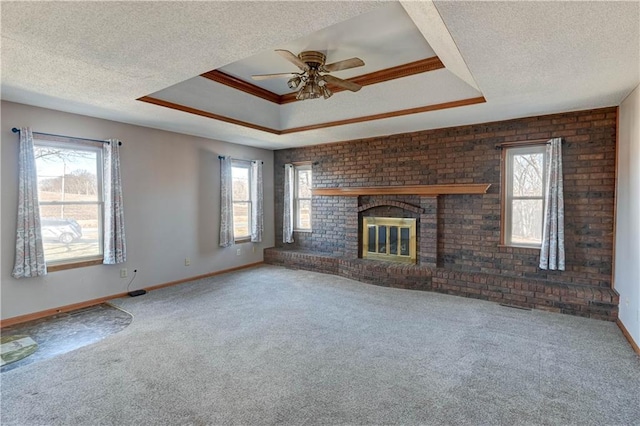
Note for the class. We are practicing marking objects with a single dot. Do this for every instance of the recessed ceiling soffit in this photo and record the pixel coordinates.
(402, 75)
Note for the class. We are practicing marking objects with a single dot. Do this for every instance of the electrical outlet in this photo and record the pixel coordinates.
(187, 262)
(123, 273)
(238, 252)
(253, 249)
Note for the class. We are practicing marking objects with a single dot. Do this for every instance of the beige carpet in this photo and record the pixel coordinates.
(275, 346)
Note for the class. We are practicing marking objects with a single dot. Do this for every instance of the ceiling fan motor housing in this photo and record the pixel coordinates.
(312, 58)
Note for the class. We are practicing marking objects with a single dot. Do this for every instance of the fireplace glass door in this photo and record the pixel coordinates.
(391, 239)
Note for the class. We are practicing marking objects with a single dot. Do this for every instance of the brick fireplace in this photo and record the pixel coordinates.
(458, 234)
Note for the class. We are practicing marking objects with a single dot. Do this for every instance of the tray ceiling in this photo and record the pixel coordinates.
(395, 43)
(383, 38)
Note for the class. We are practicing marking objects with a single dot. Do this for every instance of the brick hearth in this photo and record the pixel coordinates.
(593, 302)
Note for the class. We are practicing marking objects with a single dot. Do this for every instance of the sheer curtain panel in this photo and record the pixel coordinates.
(226, 202)
(29, 260)
(115, 246)
(552, 249)
(287, 220)
(256, 201)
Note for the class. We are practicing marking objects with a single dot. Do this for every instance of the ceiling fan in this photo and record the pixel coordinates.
(311, 82)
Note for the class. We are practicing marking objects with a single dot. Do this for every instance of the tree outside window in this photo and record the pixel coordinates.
(241, 194)
(302, 197)
(524, 182)
(70, 197)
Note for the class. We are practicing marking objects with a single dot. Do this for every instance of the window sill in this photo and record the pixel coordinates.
(306, 231)
(518, 247)
(242, 240)
(73, 265)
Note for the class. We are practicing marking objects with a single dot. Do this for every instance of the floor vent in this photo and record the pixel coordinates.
(515, 307)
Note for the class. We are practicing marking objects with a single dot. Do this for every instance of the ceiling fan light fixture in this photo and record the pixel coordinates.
(326, 93)
(314, 92)
(306, 92)
(294, 82)
(310, 90)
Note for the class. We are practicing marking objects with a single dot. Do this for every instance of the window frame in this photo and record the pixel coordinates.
(77, 145)
(297, 168)
(242, 164)
(507, 197)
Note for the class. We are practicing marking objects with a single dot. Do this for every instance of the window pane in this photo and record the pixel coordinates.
(382, 239)
(527, 174)
(404, 244)
(70, 231)
(241, 219)
(372, 239)
(526, 223)
(304, 183)
(304, 214)
(66, 174)
(393, 240)
(240, 179)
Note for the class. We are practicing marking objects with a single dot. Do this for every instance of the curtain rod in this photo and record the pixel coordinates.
(220, 157)
(16, 130)
(524, 143)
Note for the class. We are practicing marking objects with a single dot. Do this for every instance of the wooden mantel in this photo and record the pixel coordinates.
(429, 190)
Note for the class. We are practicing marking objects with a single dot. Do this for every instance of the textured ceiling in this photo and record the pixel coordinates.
(570, 53)
(395, 41)
(97, 58)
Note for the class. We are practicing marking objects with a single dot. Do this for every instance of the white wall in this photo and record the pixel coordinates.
(171, 198)
(627, 264)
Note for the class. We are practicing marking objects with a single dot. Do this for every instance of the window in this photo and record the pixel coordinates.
(241, 194)
(302, 197)
(71, 203)
(523, 202)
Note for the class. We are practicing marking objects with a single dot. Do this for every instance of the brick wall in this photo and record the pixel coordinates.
(468, 226)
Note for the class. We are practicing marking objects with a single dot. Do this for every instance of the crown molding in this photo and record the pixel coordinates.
(404, 70)
(417, 110)
(184, 108)
(236, 83)
(409, 111)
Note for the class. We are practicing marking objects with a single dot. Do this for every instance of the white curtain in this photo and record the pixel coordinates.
(115, 246)
(226, 202)
(256, 201)
(29, 248)
(287, 220)
(552, 250)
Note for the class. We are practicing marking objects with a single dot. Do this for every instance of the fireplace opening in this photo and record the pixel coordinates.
(389, 238)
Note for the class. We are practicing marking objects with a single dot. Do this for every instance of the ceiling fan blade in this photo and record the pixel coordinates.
(344, 65)
(268, 76)
(346, 84)
(293, 59)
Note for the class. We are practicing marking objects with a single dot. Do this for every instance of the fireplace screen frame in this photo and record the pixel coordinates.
(388, 223)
